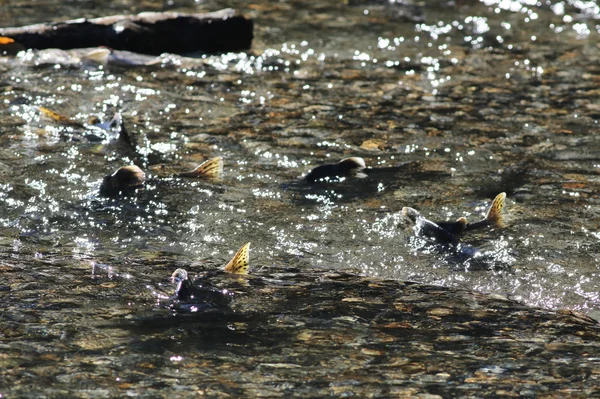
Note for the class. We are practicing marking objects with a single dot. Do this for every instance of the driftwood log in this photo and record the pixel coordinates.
(147, 33)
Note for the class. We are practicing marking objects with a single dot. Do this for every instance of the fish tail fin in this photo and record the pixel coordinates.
(494, 214)
(240, 262)
(212, 169)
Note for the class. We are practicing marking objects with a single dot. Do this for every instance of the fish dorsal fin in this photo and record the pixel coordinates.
(462, 220)
(130, 175)
(353, 163)
(494, 214)
(240, 262)
(212, 169)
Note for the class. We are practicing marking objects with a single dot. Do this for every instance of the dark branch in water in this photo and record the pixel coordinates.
(148, 33)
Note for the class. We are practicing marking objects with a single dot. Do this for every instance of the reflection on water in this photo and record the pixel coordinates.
(448, 103)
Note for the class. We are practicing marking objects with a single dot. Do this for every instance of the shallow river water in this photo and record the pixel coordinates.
(449, 103)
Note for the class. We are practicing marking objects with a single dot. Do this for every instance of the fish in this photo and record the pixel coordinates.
(443, 236)
(83, 57)
(127, 179)
(94, 130)
(374, 177)
(446, 232)
(99, 130)
(351, 179)
(347, 167)
(445, 242)
(113, 124)
(190, 289)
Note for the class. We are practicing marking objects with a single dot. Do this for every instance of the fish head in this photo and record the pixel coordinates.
(179, 275)
(427, 229)
(411, 215)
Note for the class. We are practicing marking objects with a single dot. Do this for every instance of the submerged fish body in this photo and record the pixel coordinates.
(442, 240)
(335, 182)
(347, 167)
(455, 228)
(350, 179)
(199, 289)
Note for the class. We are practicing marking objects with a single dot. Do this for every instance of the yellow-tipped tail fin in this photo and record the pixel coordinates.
(494, 214)
(240, 262)
(212, 169)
